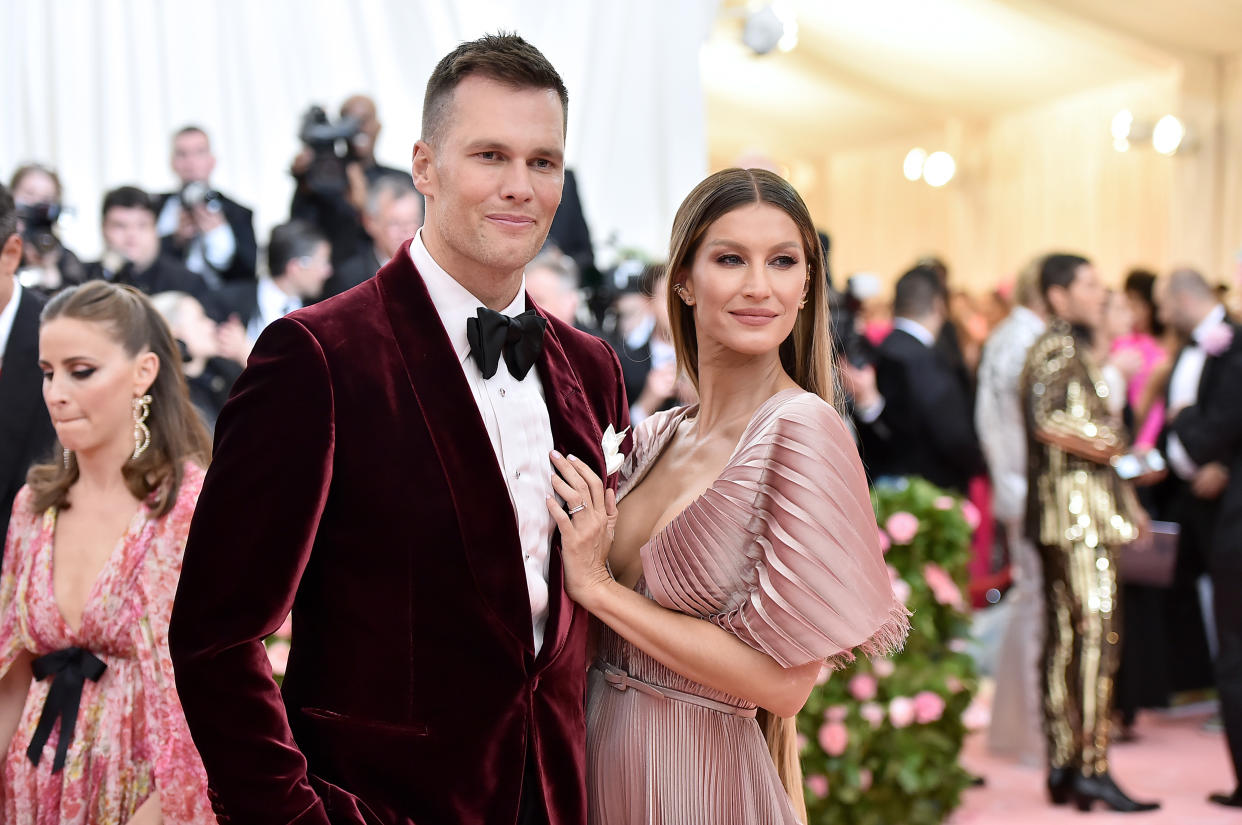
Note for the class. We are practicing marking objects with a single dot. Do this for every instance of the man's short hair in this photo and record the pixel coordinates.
(1186, 281)
(34, 166)
(1059, 269)
(560, 265)
(128, 197)
(190, 129)
(295, 239)
(8, 215)
(504, 58)
(390, 186)
(917, 291)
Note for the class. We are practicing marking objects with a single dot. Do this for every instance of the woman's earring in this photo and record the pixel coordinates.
(68, 456)
(142, 433)
(680, 289)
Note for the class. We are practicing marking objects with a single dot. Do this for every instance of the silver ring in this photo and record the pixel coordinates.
(577, 509)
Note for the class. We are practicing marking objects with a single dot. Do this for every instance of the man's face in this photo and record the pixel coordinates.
(307, 275)
(1082, 302)
(191, 157)
(494, 180)
(396, 221)
(130, 231)
(363, 109)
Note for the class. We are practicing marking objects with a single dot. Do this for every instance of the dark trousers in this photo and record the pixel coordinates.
(1226, 574)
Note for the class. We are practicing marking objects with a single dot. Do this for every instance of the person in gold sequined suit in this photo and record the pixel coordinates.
(1079, 512)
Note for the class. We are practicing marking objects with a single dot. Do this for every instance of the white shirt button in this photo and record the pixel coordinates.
(502, 392)
(517, 474)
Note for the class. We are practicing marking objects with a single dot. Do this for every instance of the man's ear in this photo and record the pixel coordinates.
(422, 168)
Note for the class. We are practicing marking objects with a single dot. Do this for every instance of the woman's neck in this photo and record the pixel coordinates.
(100, 469)
(732, 386)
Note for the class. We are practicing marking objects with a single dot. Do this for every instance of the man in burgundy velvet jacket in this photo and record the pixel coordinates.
(377, 476)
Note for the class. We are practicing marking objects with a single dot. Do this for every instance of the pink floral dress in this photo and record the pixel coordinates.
(130, 738)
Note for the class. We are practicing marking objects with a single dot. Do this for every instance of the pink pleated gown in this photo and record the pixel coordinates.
(782, 551)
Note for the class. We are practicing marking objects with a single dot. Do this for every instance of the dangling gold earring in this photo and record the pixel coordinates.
(142, 433)
(68, 456)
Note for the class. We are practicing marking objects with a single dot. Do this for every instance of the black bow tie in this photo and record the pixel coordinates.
(520, 338)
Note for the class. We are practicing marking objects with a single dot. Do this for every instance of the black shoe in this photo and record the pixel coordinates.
(1232, 800)
(1101, 788)
(1060, 785)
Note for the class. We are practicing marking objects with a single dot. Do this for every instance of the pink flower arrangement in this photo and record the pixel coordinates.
(882, 668)
(954, 684)
(944, 503)
(864, 780)
(971, 513)
(817, 785)
(836, 713)
(943, 588)
(1217, 339)
(886, 543)
(278, 655)
(958, 645)
(802, 742)
(833, 738)
(902, 527)
(872, 713)
(928, 707)
(901, 711)
(901, 588)
(977, 716)
(863, 687)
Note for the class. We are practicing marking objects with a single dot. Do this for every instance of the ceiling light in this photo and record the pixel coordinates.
(770, 26)
(1123, 122)
(1168, 134)
(939, 169)
(913, 165)
(1121, 144)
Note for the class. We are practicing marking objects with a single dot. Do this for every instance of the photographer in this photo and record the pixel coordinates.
(46, 264)
(394, 212)
(208, 232)
(332, 187)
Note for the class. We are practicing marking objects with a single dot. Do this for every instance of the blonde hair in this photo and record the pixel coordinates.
(807, 353)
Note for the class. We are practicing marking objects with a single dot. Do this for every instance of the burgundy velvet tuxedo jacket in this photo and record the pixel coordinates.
(355, 483)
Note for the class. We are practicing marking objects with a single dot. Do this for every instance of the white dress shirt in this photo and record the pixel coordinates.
(274, 303)
(7, 314)
(913, 328)
(209, 253)
(1184, 389)
(516, 418)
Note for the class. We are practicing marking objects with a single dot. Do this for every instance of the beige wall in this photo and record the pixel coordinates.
(1043, 178)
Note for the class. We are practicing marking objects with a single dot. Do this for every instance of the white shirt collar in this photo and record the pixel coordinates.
(914, 328)
(453, 302)
(1213, 318)
(8, 314)
(274, 302)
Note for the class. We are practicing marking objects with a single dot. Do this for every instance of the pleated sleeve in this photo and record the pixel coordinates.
(24, 529)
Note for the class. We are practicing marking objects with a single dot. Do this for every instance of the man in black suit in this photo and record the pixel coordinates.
(25, 430)
(1205, 451)
(920, 421)
(393, 213)
(132, 248)
(299, 260)
(211, 234)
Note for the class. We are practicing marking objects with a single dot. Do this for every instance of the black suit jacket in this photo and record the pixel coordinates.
(241, 221)
(26, 434)
(927, 426)
(164, 275)
(1211, 430)
(240, 299)
(352, 272)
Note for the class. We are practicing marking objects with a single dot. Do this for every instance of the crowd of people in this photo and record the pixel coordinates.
(650, 455)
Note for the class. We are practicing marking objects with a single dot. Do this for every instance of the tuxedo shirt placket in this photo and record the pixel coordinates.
(515, 415)
(1184, 389)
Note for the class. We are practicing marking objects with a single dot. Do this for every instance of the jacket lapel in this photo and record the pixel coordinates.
(574, 432)
(17, 381)
(481, 500)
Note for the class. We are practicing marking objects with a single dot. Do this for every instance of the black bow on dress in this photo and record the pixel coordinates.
(70, 668)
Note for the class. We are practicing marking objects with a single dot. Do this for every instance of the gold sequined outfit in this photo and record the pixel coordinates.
(1078, 513)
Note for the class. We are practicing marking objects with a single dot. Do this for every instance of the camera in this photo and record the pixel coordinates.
(326, 173)
(38, 219)
(196, 193)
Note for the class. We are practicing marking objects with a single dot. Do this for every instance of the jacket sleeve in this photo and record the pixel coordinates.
(1211, 429)
(249, 542)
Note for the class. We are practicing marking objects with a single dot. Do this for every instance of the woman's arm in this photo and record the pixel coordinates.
(13, 689)
(693, 647)
(148, 812)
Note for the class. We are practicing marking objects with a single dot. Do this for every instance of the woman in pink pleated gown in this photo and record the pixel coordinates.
(740, 553)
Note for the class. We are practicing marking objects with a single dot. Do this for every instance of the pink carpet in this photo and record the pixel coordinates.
(1174, 761)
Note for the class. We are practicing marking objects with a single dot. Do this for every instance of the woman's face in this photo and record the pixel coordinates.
(35, 187)
(1118, 317)
(90, 383)
(747, 279)
(1140, 310)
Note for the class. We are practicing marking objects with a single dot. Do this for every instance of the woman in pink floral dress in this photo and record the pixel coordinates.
(90, 725)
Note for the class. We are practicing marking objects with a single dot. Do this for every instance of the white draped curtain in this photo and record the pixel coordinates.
(95, 88)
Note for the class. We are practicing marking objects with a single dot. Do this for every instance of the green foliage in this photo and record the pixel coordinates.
(902, 765)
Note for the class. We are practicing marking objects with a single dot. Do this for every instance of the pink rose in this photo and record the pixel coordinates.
(833, 737)
(971, 513)
(944, 503)
(954, 684)
(958, 645)
(824, 673)
(902, 527)
(1217, 339)
(901, 590)
(872, 713)
(817, 785)
(802, 742)
(278, 655)
(886, 543)
(943, 588)
(286, 629)
(862, 687)
(836, 713)
(864, 780)
(977, 716)
(882, 668)
(901, 711)
(928, 707)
